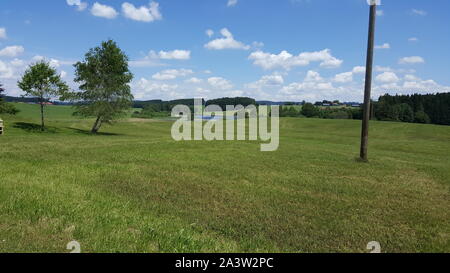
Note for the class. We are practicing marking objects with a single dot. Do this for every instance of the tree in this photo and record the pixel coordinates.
(386, 111)
(104, 77)
(1, 91)
(406, 113)
(421, 117)
(309, 110)
(42, 81)
(6, 108)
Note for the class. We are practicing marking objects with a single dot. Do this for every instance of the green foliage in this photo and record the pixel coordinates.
(1, 91)
(402, 108)
(422, 117)
(309, 110)
(356, 113)
(42, 81)
(339, 114)
(8, 108)
(151, 111)
(405, 113)
(288, 111)
(223, 102)
(385, 111)
(163, 106)
(104, 79)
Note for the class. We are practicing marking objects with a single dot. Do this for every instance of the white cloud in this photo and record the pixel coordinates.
(413, 39)
(55, 63)
(175, 55)
(383, 46)
(266, 82)
(171, 74)
(380, 12)
(286, 60)
(387, 77)
(153, 58)
(145, 89)
(410, 78)
(143, 13)
(194, 80)
(63, 74)
(3, 33)
(411, 60)
(220, 83)
(104, 11)
(347, 77)
(359, 70)
(257, 45)
(37, 58)
(232, 3)
(11, 51)
(228, 42)
(6, 71)
(383, 69)
(17, 63)
(273, 79)
(313, 76)
(420, 85)
(344, 77)
(209, 32)
(419, 12)
(314, 87)
(80, 5)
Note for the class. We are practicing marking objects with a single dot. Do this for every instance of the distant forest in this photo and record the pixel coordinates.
(414, 108)
(161, 106)
(430, 108)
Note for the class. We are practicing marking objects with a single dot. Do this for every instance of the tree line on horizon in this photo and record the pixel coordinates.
(429, 108)
(416, 108)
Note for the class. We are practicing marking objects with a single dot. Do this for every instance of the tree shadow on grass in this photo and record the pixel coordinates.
(88, 132)
(34, 128)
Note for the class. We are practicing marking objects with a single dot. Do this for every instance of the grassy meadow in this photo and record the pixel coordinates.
(133, 189)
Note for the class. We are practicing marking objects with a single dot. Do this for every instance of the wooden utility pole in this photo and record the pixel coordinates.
(368, 87)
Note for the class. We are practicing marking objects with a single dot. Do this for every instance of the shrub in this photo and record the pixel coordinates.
(309, 110)
(422, 117)
(7, 108)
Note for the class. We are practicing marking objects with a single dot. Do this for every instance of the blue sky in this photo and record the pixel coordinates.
(267, 49)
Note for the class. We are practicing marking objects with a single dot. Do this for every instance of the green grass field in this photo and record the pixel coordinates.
(133, 189)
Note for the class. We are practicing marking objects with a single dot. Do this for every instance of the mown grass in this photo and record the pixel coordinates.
(134, 189)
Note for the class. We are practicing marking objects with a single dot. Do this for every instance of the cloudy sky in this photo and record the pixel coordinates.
(267, 49)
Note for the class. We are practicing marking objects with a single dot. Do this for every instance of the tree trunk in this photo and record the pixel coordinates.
(42, 115)
(97, 125)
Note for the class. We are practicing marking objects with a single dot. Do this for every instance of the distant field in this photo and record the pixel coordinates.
(54, 112)
(133, 189)
(59, 112)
